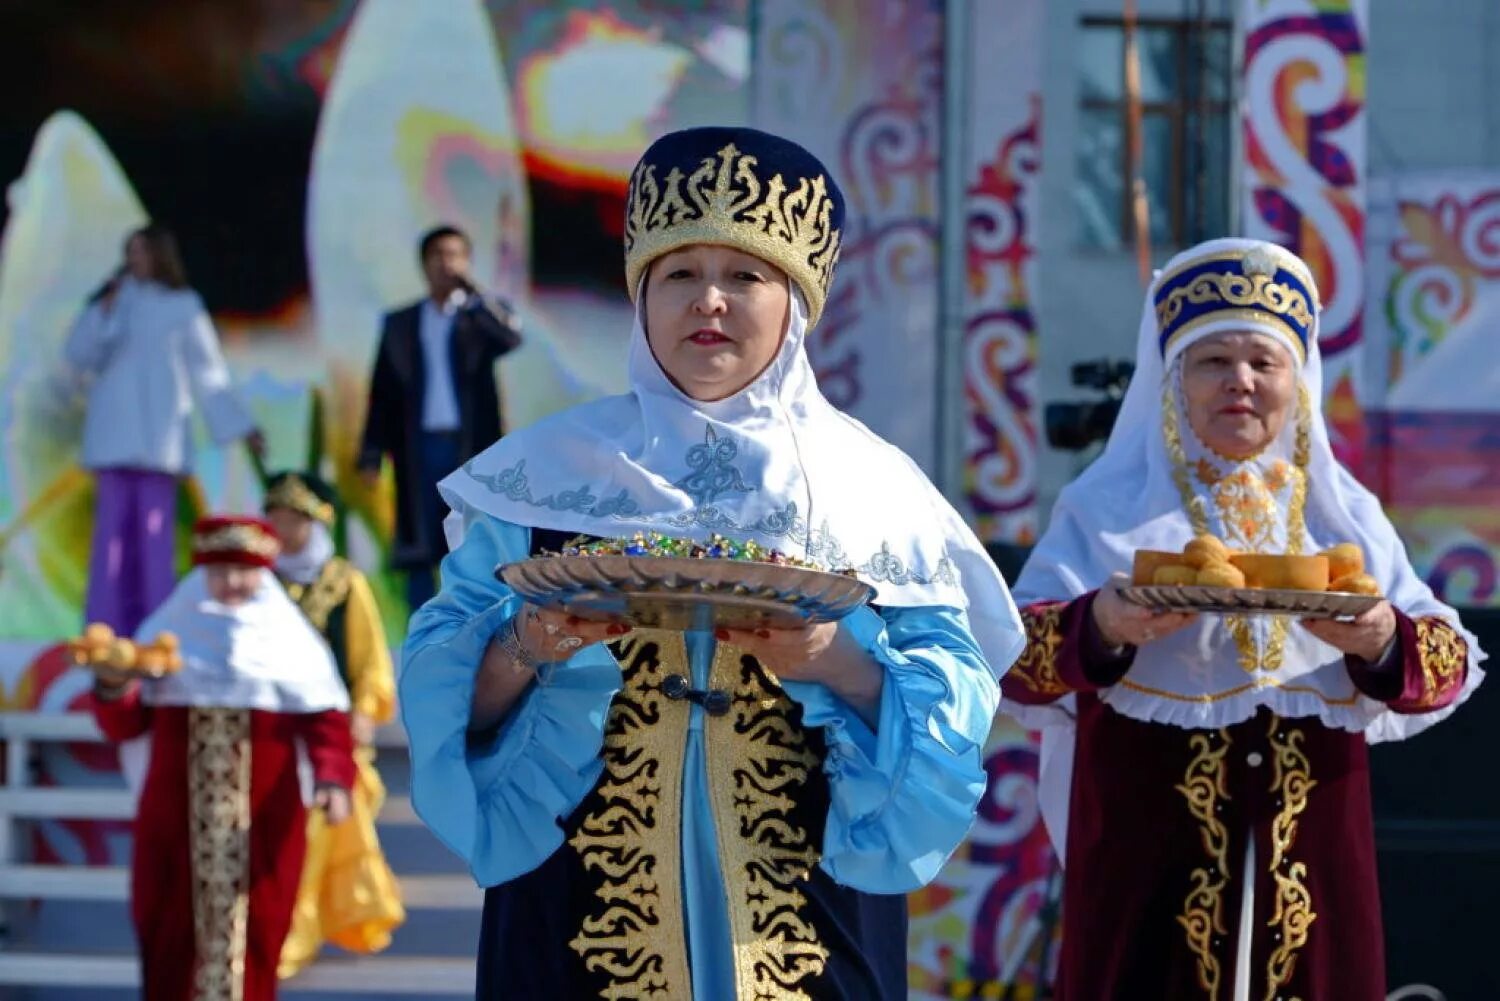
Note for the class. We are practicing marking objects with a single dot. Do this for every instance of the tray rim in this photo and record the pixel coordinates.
(643, 577)
(1227, 597)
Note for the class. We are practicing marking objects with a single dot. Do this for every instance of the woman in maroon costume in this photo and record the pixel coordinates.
(215, 751)
(1205, 777)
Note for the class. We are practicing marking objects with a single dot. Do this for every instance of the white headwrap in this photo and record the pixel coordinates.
(775, 463)
(1220, 671)
(262, 654)
(303, 566)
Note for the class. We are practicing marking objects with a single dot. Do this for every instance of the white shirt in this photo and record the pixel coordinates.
(440, 402)
(151, 356)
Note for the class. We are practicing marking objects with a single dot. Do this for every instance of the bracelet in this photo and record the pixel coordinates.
(514, 649)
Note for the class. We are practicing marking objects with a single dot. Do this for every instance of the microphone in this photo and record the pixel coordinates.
(111, 284)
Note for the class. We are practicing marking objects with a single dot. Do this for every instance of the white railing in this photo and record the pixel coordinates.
(21, 802)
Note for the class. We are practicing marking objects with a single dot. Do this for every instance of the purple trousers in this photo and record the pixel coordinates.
(132, 565)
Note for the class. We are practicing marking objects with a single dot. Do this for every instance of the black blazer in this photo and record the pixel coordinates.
(484, 330)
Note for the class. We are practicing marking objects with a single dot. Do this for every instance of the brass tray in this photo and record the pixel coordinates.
(1249, 601)
(683, 593)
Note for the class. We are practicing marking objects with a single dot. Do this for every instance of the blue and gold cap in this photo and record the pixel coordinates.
(741, 188)
(1256, 283)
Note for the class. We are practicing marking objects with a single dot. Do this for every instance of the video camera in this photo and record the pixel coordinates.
(1075, 425)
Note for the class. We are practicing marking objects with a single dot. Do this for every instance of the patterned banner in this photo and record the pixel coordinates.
(987, 927)
(1003, 143)
(1434, 308)
(860, 85)
(1304, 173)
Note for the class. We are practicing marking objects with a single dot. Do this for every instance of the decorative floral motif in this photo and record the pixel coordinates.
(632, 839)
(219, 840)
(1202, 917)
(758, 760)
(1444, 656)
(1037, 666)
(713, 469)
(728, 195)
(1293, 915)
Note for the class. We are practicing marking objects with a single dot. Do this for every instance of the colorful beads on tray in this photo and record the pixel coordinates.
(715, 547)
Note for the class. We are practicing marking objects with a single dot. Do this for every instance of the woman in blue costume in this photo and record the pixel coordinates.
(748, 828)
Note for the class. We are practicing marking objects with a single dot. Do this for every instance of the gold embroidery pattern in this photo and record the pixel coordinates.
(1202, 917)
(1037, 666)
(1444, 656)
(1246, 506)
(1255, 685)
(726, 199)
(293, 493)
(219, 835)
(637, 938)
(238, 539)
(1293, 915)
(1257, 294)
(318, 599)
(757, 761)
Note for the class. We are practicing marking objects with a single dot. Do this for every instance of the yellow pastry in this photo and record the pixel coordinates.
(1344, 560)
(1297, 573)
(1220, 575)
(1171, 576)
(1356, 583)
(1203, 550)
(1148, 561)
(122, 654)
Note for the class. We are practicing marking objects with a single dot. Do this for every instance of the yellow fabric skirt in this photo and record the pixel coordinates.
(348, 894)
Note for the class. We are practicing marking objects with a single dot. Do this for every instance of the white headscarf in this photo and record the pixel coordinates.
(262, 654)
(303, 566)
(1220, 671)
(775, 463)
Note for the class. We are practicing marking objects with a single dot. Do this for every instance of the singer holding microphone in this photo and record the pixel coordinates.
(434, 403)
(148, 354)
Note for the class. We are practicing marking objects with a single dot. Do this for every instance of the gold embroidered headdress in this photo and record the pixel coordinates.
(302, 493)
(740, 188)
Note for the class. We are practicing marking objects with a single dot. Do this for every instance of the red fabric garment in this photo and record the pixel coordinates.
(162, 884)
(1160, 817)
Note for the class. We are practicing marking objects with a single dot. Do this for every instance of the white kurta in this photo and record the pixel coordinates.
(150, 356)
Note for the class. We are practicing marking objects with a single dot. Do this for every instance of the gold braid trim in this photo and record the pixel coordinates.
(1037, 666)
(636, 937)
(1202, 917)
(757, 761)
(1444, 656)
(318, 599)
(1252, 658)
(219, 839)
(1292, 781)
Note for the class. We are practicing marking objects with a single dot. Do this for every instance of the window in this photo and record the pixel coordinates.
(1185, 137)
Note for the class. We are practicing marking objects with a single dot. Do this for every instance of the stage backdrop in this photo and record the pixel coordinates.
(1303, 174)
(1434, 344)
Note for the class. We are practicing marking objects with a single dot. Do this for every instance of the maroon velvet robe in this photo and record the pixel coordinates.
(220, 833)
(1160, 816)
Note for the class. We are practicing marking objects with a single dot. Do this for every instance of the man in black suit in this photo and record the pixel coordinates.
(433, 399)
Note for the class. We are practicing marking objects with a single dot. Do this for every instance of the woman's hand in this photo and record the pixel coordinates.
(334, 802)
(823, 653)
(1367, 637)
(548, 635)
(362, 729)
(1123, 624)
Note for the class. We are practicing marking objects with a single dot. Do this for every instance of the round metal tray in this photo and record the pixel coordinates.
(1249, 601)
(659, 592)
